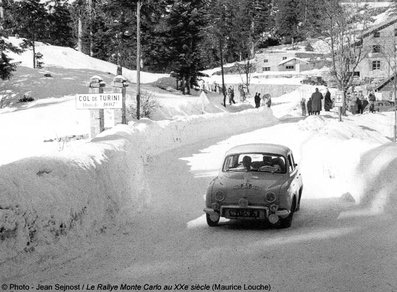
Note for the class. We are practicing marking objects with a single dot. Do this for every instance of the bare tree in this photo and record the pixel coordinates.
(245, 68)
(386, 47)
(344, 30)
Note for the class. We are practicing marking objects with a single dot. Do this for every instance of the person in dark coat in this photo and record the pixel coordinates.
(257, 99)
(359, 105)
(372, 99)
(316, 102)
(365, 103)
(309, 106)
(327, 101)
(231, 95)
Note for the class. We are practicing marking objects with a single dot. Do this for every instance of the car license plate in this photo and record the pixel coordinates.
(246, 213)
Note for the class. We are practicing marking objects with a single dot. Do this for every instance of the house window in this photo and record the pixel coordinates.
(356, 74)
(289, 67)
(376, 49)
(284, 58)
(266, 68)
(265, 60)
(376, 34)
(375, 65)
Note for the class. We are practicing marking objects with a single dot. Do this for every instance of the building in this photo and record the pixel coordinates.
(379, 45)
(284, 60)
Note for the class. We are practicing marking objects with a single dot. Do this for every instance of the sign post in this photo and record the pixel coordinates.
(98, 102)
(96, 116)
(339, 103)
(120, 87)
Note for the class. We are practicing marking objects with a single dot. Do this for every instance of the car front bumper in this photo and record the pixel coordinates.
(264, 212)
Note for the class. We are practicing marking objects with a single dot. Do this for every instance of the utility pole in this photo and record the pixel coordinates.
(91, 34)
(395, 85)
(222, 71)
(138, 59)
(1, 11)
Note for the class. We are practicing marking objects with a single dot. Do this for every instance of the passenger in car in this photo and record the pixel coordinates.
(278, 164)
(247, 162)
(267, 160)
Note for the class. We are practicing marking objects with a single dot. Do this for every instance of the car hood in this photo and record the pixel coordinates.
(249, 180)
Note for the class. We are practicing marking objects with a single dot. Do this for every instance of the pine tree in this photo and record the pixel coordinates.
(60, 30)
(31, 20)
(312, 18)
(185, 25)
(287, 20)
(7, 67)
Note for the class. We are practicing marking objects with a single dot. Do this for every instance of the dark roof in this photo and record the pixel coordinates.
(378, 27)
(385, 83)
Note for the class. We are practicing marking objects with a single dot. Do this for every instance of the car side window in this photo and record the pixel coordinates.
(291, 165)
(228, 163)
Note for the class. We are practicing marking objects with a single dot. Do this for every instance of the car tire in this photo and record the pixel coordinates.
(210, 222)
(286, 222)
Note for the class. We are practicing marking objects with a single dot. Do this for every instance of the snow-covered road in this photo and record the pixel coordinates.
(169, 243)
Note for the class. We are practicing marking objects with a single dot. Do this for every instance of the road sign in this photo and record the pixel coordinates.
(338, 99)
(99, 101)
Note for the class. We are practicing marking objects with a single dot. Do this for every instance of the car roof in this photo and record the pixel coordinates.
(261, 148)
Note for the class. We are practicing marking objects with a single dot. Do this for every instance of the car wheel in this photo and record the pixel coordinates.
(286, 222)
(211, 222)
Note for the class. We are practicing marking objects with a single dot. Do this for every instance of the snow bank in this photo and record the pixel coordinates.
(332, 169)
(376, 183)
(86, 190)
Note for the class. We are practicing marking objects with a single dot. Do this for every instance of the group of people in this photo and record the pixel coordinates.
(267, 100)
(314, 105)
(359, 103)
(356, 103)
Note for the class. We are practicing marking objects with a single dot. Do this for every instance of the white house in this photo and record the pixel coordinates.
(284, 60)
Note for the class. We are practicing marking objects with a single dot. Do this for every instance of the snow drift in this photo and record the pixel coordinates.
(376, 180)
(101, 183)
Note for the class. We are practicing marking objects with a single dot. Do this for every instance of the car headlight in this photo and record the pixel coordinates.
(270, 197)
(219, 196)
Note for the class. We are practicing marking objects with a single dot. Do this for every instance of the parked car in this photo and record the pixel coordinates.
(314, 80)
(384, 105)
(256, 181)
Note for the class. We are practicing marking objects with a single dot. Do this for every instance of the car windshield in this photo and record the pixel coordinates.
(259, 162)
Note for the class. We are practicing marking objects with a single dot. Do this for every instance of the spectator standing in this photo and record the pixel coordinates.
(372, 99)
(327, 101)
(359, 105)
(316, 102)
(268, 99)
(230, 93)
(309, 106)
(365, 103)
(257, 99)
(303, 106)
